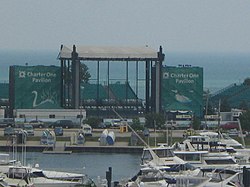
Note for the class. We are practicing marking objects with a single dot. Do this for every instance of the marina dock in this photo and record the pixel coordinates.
(64, 145)
(67, 148)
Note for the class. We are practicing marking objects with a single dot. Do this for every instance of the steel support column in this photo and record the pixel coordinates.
(158, 79)
(76, 79)
(147, 96)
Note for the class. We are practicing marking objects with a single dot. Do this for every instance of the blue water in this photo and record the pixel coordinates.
(220, 70)
(124, 166)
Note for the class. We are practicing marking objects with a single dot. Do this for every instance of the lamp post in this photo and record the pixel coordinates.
(81, 107)
(206, 109)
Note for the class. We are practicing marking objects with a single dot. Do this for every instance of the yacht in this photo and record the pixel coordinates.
(161, 167)
(6, 181)
(201, 154)
(14, 170)
(154, 178)
(215, 143)
(163, 156)
(37, 178)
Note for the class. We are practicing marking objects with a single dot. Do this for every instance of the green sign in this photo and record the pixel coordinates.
(182, 89)
(36, 87)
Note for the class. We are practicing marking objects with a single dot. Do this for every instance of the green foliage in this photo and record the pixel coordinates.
(84, 73)
(225, 106)
(247, 82)
(196, 123)
(93, 122)
(245, 120)
(243, 105)
(136, 124)
(155, 120)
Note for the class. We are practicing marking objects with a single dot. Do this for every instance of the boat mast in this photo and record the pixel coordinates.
(147, 145)
(241, 134)
(219, 115)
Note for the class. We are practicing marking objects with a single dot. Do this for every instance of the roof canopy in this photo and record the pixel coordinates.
(109, 53)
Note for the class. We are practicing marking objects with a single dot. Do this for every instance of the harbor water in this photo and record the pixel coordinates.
(124, 166)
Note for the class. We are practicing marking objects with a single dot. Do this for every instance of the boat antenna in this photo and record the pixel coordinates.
(154, 155)
(241, 134)
(219, 114)
(131, 128)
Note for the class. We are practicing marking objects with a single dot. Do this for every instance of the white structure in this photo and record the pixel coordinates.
(38, 114)
(2, 112)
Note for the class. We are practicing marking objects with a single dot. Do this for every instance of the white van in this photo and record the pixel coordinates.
(86, 130)
(28, 129)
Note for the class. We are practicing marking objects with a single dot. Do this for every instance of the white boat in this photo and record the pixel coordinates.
(18, 174)
(204, 158)
(34, 177)
(211, 143)
(14, 170)
(163, 156)
(6, 181)
(153, 177)
(57, 175)
(45, 182)
(162, 171)
(222, 177)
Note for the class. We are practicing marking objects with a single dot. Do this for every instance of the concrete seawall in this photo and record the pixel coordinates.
(35, 146)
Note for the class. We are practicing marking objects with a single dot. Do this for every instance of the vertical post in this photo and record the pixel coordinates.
(109, 176)
(62, 81)
(98, 88)
(81, 116)
(126, 83)
(206, 109)
(136, 86)
(76, 78)
(158, 79)
(167, 134)
(157, 86)
(108, 92)
(155, 131)
(69, 77)
(147, 87)
(219, 115)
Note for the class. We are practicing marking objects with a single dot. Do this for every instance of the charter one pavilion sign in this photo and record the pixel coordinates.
(181, 78)
(38, 77)
(37, 86)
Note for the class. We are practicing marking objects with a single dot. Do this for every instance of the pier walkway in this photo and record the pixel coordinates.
(91, 144)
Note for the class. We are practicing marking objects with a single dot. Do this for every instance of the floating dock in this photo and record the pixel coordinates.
(57, 152)
(35, 146)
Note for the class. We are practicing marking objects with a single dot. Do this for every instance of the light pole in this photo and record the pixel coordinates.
(207, 95)
(81, 115)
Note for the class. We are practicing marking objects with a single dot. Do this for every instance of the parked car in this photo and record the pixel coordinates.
(37, 124)
(6, 122)
(171, 124)
(28, 129)
(58, 131)
(9, 131)
(146, 132)
(62, 123)
(86, 130)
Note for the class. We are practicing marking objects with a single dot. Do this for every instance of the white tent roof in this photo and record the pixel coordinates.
(94, 52)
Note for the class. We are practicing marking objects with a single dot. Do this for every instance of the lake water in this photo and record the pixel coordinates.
(124, 166)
